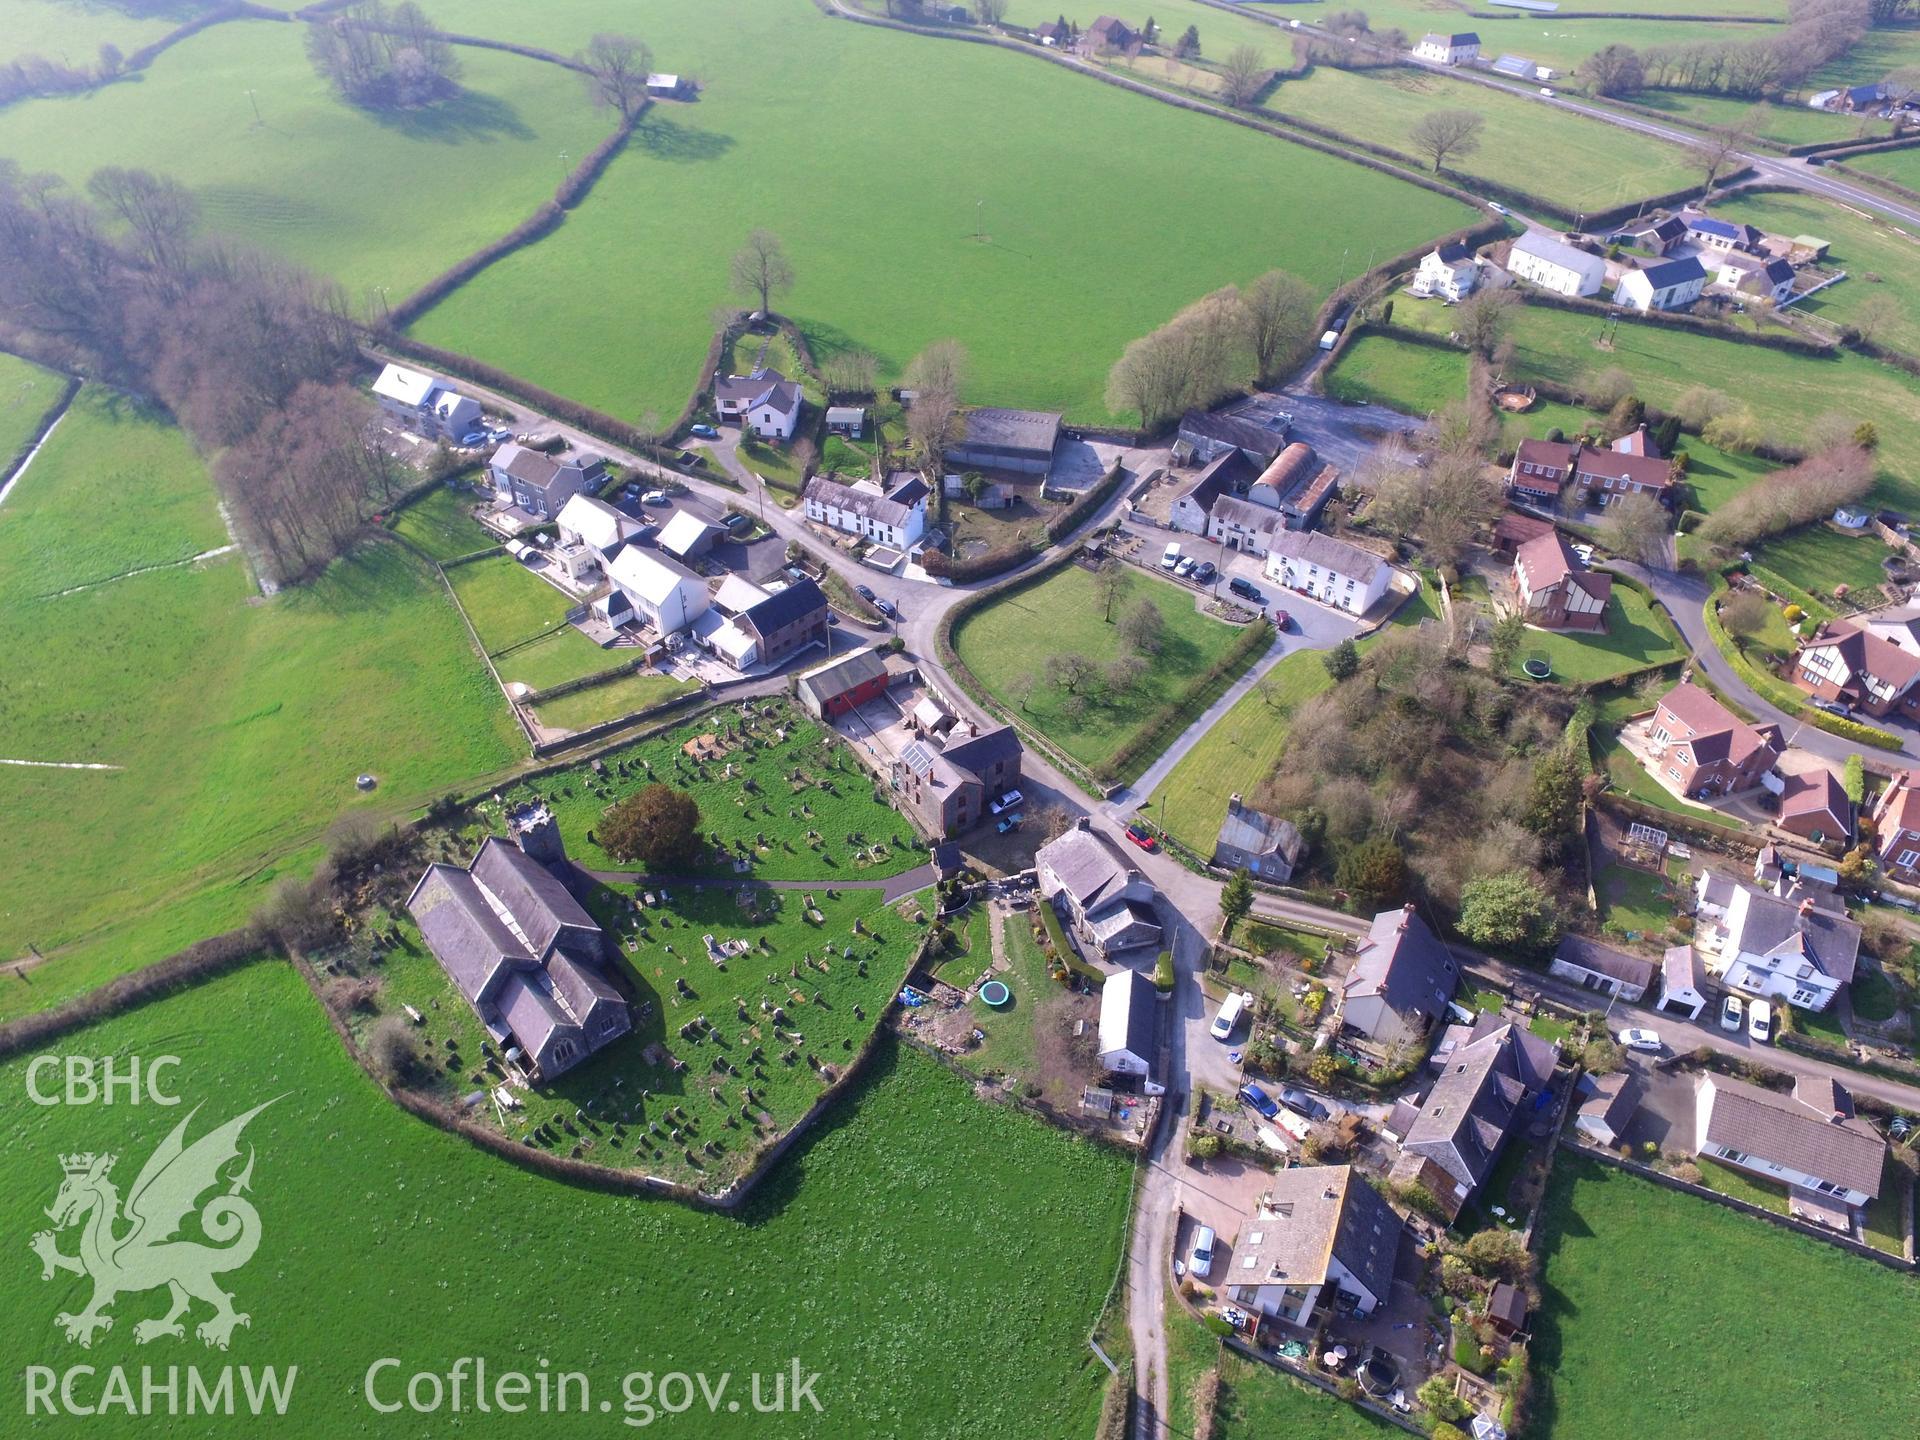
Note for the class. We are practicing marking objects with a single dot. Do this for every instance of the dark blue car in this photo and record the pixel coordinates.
(1260, 1100)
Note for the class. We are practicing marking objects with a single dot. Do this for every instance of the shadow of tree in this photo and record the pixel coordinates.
(669, 140)
(465, 117)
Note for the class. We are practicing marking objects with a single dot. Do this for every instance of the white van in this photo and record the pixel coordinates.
(1170, 557)
(1229, 1016)
(1330, 339)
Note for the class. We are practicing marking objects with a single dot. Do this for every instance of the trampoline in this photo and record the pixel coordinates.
(995, 993)
(1536, 667)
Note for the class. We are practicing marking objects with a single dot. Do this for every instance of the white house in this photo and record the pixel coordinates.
(583, 520)
(896, 517)
(667, 596)
(1775, 948)
(1127, 1021)
(1809, 1140)
(1448, 271)
(1328, 570)
(1554, 265)
(1320, 1233)
(425, 404)
(774, 415)
(1670, 285)
(1454, 49)
(1755, 277)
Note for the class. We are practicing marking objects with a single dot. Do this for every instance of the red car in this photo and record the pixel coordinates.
(1142, 837)
(1282, 620)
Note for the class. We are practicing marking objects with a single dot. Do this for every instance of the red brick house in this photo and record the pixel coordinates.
(1542, 469)
(1704, 748)
(1554, 588)
(1815, 807)
(1896, 823)
(1856, 667)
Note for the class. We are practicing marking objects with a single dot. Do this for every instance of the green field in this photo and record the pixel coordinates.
(1819, 558)
(521, 619)
(1257, 1402)
(1786, 391)
(1377, 369)
(1879, 258)
(27, 393)
(71, 32)
(238, 724)
(1636, 637)
(373, 201)
(579, 709)
(1240, 752)
(382, 1237)
(647, 255)
(1012, 637)
(1556, 154)
(1615, 1356)
(1900, 166)
(1715, 476)
(781, 787)
(1780, 122)
(440, 524)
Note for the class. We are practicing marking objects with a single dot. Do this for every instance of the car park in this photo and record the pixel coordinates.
(1260, 1100)
(1170, 557)
(1733, 1013)
(1760, 1021)
(706, 432)
(1200, 1262)
(1141, 836)
(1636, 1039)
(1183, 567)
(1008, 801)
(1297, 1099)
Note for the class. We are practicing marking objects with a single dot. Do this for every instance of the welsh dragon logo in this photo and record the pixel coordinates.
(146, 1255)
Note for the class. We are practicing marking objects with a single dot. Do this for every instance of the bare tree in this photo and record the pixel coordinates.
(1798, 495)
(1190, 362)
(761, 269)
(1718, 149)
(617, 69)
(1481, 319)
(1144, 627)
(1614, 70)
(1112, 583)
(1125, 674)
(1243, 75)
(1876, 312)
(1444, 134)
(1279, 309)
(384, 57)
(1070, 671)
(1635, 528)
(990, 12)
(159, 212)
(1746, 613)
(933, 418)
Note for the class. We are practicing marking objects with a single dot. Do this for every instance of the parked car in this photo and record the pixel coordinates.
(473, 438)
(1141, 836)
(1297, 1099)
(1547, 90)
(1204, 572)
(1200, 1262)
(1760, 1021)
(1183, 567)
(885, 607)
(1229, 1017)
(865, 592)
(1260, 1100)
(1833, 707)
(1282, 620)
(1733, 1013)
(1170, 557)
(1635, 1039)
(499, 436)
(655, 497)
(1246, 590)
(1006, 802)
(706, 432)
(1010, 823)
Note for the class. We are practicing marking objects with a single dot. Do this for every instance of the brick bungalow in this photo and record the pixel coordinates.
(1704, 748)
(1815, 807)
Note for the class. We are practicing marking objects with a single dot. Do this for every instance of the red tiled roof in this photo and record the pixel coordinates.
(1547, 559)
(1515, 529)
(1866, 652)
(1899, 806)
(1813, 793)
(1647, 470)
(1716, 732)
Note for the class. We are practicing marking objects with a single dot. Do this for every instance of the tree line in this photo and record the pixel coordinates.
(1817, 32)
(1212, 348)
(252, 357)
(384, 57)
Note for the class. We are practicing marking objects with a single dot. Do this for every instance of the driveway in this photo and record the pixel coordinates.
(1344, 435)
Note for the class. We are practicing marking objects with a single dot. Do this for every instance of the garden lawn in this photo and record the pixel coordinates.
(1786, 391)
(1193, 1353)
(522, 620)
(1558, 155)
(1258, 1402)
(372, 200)
(1628, 774)
(972, 950)
(1635, 638)
(824, 1263)
(1240, 752)
(237, 724)
(634, 1104)
(1725, 1180)
(963, 235)
(1281, 941)
(1013, 636)
(441, 525)
(1879, 258)
(1615, 1356)
(1819, 558)
(27, 393)
(834, 795)
(1885, 1225)
(1012, 1030)
(1375, 368)
(1715, 476)
(1633, 901)
(580, 709)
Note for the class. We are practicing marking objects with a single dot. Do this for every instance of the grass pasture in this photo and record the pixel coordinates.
(1013, 636)
(823, 1263)
(27, 393)
(1819, 558)
(71, 32)
(1615, 1357)
(237, 725)
(1238, 753)
(1780, 122)
(1902, 167)
(1635, 638)
(580, 709)
(1556, 154)
(369, 200)
(1378, 368)
(522, 620)
(964, 235)
(440, 525)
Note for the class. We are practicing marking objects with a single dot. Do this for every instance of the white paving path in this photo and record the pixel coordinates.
(60, 765)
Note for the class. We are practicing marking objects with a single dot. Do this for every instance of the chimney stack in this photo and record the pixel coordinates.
(1406, 915)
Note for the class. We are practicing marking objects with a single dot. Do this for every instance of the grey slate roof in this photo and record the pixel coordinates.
(837, 677)
(1402, 961)
(1232, 510)
(1226, 429)
(975, 756)
(1313, 548)
(1605, 960)
(1614, 1098)
(1813, 1130)
(542, 906)
(785, 607)
(1479, 1099)
(1316, 1214)
(1259, 833)
(885, 509)
(1674, 272)
(1779, 927)
(1031, 431)
(1086, 869)
(472, 943)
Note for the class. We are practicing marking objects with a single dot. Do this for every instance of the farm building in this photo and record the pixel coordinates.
(1207, 435)
(832, 689)
(1601, 968)
(1018, 440)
